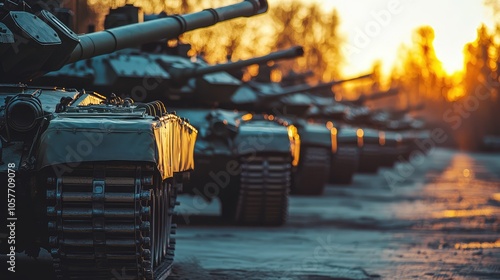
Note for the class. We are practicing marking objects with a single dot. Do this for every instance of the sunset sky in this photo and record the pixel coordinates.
(454, 23)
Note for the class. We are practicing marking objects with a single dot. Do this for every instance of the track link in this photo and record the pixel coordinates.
(313, 171)
(264, 188)
(111, 221)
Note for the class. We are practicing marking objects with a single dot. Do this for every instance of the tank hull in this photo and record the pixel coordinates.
(235, 166)
(312, 173)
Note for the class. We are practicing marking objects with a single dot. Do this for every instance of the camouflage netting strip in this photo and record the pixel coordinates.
(71, 141)
(175, 140)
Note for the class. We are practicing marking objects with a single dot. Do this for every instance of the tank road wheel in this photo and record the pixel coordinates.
(262, 197)
(313, 171)
(344, 164)
(111, 221)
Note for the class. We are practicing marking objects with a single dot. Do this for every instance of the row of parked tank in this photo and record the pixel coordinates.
(99, 171)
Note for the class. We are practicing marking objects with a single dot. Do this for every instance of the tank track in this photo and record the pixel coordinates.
(313, 171)
(369, 161)
(344, 164)
(111, 221)
(264, 188)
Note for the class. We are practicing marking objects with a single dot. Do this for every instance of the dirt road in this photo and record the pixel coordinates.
(433, 219)
(437, 218)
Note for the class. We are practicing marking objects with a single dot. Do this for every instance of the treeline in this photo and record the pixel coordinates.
(467, 103)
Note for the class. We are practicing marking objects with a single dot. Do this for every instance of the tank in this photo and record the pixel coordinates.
(245, 160)
(398, 133)
(91, 179)
(324, 111)
(262, 147)
(358, 146)
(397, 119)
(381, 147)
(319, 144)
(405, 129)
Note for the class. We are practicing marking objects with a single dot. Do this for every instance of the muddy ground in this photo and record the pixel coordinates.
(437, 218)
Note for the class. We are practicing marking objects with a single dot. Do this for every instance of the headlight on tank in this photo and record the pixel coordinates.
(381, 138)
(23, 112)
(333, 133)
(360, 133)
(293, 135)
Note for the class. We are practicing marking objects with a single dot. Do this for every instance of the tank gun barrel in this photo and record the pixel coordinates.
(184, 73)
(320, 86)
(306, 87)
(114, 39)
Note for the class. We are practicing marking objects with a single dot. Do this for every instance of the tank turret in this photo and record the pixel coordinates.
(119, 73)
(34, 45)
(386, 119)
(254, 95)
(294, 78)
(213, 86)
(320, 86)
